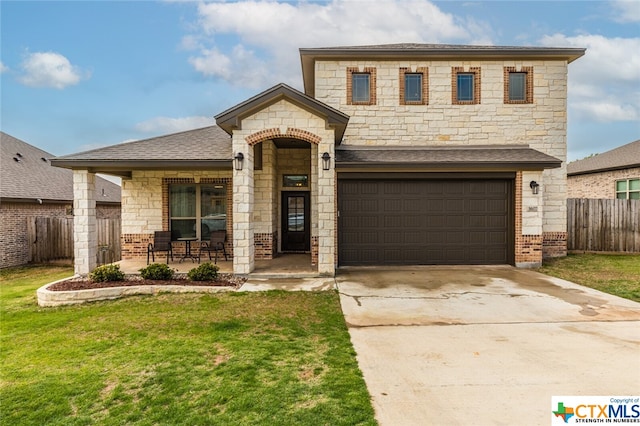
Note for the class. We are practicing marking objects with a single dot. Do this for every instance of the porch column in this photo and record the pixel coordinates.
(243, 230)
(85, 233)
(326, 210)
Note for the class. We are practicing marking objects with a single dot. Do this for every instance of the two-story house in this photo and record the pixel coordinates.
(393, 155)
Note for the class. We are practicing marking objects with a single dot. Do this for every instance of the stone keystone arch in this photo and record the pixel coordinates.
(275, 133)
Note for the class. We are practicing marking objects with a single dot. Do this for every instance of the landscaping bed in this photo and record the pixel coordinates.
(79, 283)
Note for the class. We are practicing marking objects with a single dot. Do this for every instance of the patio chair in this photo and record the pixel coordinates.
(161, 242)
(215, 244)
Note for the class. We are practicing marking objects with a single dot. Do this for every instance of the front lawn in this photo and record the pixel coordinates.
(615, 274)
(270, 358)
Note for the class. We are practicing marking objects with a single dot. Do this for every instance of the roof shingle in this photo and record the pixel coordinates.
(623, 157)
(517, 157)
(33, 177)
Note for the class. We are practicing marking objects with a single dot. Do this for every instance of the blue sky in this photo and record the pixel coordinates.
(83, 74)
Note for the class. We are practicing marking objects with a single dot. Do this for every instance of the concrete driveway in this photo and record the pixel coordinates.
(485, 345)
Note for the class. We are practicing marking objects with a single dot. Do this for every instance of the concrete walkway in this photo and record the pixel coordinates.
(485, 345)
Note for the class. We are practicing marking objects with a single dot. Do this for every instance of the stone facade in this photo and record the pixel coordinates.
(256, 192)
(145, 207)
(540, 123)
(598, 185)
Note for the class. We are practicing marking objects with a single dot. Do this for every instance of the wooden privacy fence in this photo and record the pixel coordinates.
(51, 238)
(603, 225)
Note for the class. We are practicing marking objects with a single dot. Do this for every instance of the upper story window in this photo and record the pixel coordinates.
(518, 85)
(361, 86)
(628, 189)
(414, 86)
(465, 86)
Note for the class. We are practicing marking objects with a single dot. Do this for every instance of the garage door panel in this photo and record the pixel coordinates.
(455, 221)
(425, 222)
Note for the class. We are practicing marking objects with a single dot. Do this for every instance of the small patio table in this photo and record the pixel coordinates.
(187, 249)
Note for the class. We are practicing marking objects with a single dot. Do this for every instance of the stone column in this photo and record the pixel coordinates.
(85, 233)
(243, 230)
(326, 204)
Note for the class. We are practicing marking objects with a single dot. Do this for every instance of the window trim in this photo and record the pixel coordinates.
(198, 204)
(167, 181)
(627, 190)
(477, 88)
(372, 85)
(528, 98)
(424, 72)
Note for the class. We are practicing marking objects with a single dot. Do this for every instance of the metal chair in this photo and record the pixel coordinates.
(215, 244)
(161, 242)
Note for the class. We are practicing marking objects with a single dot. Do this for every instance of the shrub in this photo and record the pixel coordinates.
(205, 272)
(157, 271)
(107, 273)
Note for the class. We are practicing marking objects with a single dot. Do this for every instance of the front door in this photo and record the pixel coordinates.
(296, 235)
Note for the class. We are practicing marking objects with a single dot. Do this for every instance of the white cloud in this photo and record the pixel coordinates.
(626, 11)
(280, 29)
(50, 69)
(604, 85)
(164, 125)
(3, 68)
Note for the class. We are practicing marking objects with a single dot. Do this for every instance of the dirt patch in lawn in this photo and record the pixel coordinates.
(223, 280)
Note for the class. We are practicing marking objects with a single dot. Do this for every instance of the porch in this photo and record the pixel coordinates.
(283, 266)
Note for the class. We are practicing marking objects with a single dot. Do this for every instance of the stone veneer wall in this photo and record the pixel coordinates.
(145, 207)
(284, 119)
(540, 124)
(598, 185)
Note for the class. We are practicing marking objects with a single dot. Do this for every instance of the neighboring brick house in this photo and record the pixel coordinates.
(611, 174)
(394, 154)
(30, 186)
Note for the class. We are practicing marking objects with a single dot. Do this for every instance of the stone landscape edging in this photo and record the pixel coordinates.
(49, 298)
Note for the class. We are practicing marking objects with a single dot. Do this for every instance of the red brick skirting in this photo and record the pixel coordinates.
(314, 250)
(554, 244)
(265, 245)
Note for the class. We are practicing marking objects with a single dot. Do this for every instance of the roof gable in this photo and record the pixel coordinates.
(26, 173)
(623, 157)
(232, 118)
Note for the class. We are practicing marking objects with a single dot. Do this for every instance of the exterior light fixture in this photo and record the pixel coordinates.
(237, 161)
(326, 161)
(535, 187)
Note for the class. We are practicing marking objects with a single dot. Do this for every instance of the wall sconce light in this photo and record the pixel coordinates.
(237, 161)
(326, 161)
(535, 187)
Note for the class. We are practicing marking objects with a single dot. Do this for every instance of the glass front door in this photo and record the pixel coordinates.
(295, 221)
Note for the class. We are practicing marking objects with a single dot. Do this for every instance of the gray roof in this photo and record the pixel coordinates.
(623, 157)
(428, 52)
(32, 177)
(232, 117)
(516, 157)
(206, 148)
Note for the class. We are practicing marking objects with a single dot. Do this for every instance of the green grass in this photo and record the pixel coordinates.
(614, 274)
(271, 358)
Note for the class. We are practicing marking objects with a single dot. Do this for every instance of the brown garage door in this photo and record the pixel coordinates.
(425, 222)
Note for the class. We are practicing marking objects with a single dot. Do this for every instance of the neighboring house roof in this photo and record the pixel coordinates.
(231, 119)
(416, 51)
(206, 149)
(623, 157)
(26, 174)
(475, 157)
